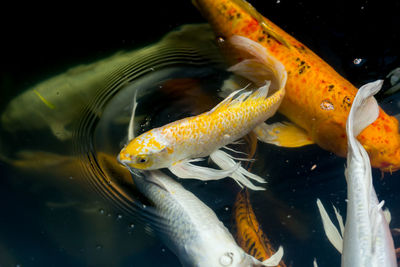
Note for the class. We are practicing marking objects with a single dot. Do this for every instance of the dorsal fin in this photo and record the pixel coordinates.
(230, 101)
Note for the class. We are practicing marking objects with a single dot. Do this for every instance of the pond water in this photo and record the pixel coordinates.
(65, 200)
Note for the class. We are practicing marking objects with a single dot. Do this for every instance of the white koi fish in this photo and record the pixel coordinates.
(367, 240)
(177, 144)
(190, 228)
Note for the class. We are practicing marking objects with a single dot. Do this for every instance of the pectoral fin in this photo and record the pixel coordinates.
(282, 134)
(185, 169)
(240, 175)
(330, 229)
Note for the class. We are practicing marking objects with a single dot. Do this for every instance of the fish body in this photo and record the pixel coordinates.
(367, 240)
(317, 98)
(176, 145)
(199, 136)
(188, 227)
(58, 102)
(249, 234)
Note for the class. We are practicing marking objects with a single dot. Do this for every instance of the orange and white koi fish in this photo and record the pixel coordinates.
(317, 99)
(176, 145)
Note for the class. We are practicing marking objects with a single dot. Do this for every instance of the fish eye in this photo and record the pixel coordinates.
(226, 259)
(141, 159)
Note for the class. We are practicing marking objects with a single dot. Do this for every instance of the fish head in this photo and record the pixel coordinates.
(148, 151)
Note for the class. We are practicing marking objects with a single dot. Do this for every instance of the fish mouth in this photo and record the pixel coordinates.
(126, 163)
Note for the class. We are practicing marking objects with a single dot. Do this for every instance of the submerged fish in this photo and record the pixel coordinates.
(57, 103)
(317, 98)
(249, 234)
(367, 240)
(179, 143)
(189, 228)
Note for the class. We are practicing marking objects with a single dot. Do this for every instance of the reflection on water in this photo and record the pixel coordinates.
(67, 201)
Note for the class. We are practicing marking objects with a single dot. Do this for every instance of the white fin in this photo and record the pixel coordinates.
(315, 264)
(246, 69)
(235, 151)
(261, 55)
(228, 102)
(339, 219)
(330, 229)
(185, 169)
(388, 215)
(282, 134)
(232, 83)
(131, 127)
(364, 109)
(275, 258)
(241, 159)
(240, 175)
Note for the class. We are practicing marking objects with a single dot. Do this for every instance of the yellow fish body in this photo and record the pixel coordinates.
(176, 144)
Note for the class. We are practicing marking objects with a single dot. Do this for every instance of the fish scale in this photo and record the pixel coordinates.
(215, 129)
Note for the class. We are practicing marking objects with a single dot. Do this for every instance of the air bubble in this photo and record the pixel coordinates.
(101, 211)
(220, 40)
(357, 61)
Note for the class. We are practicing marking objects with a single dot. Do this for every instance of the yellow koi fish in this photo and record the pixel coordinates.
(317, 99)
(176, 145)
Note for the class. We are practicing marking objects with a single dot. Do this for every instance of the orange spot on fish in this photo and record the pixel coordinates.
(385, 164)
(387, 128)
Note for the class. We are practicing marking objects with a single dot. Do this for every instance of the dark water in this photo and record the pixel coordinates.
(53, 214)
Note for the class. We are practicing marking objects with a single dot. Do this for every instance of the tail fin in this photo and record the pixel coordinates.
(262, 67)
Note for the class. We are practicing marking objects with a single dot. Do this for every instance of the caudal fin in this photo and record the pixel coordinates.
(263, 66)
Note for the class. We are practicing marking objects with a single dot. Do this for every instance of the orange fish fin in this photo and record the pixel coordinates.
(282, 134)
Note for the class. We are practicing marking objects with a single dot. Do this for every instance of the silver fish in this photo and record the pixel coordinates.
(189, 227)
(367, 240)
